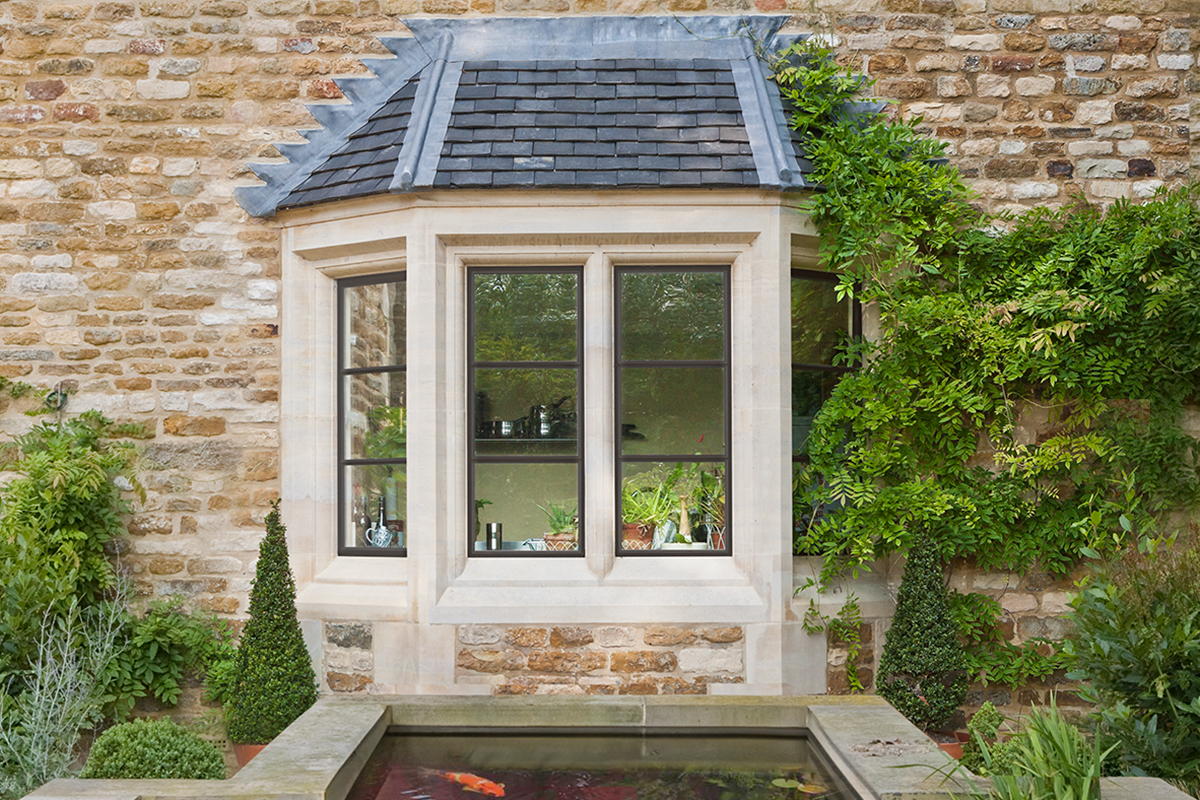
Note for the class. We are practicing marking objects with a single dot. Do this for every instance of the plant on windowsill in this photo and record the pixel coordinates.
(564, 527)
(273, 681)
(643, 508)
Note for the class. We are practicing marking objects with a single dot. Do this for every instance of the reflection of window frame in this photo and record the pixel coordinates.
(343, 372)
(856, 325)
(474, 458)
(619, 363)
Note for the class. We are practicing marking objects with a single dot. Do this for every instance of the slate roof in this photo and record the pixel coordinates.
(574, 102)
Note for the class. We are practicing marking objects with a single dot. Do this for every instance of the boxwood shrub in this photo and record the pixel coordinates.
(153, 749)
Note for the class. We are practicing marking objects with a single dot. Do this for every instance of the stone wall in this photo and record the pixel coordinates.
(128, 272)
(603, 659)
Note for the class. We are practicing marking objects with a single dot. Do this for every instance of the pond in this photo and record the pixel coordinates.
(561, 765)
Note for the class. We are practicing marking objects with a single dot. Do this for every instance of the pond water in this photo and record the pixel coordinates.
(569, 766)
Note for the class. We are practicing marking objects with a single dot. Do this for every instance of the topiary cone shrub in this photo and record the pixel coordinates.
(923, 670)
(153, 749)
(274, 681)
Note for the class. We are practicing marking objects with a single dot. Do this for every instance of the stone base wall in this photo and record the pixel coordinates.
(603, 659)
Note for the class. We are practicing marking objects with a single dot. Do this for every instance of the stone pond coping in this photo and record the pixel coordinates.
(879, 753)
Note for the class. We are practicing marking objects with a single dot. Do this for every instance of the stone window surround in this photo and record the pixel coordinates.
(435, 237)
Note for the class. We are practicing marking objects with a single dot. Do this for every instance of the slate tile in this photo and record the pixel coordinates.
(599, 64)
(676, 90)
(468, 149)
(534, 134)
(616, 76)
(533, 104)
(585, 76)
(515, 120)
(554, 178)
(512, 148)
(716, 90)
(491, 163)
(622, 106)
(637, 178)
(557, 90)
(737, 134)
(694, 104)
(635, 90)
(636, 148)
(554, 148)
(596, 178)
(615, 134)
(554, 120)
(475, 92)
(523, 66)
(636, 63)
(698, 163)
(710, 63)
(623, 163)
(506, 179)
(455, 164)
(595, 120)
(474, 120)
(533, 163)
(470, 178)
(556, 65)
(662, 163)
(576, 134)
(719, 148)
(498, 76)
(576, 163)
(679, 179)
(737, 162)
(654, 105)
(495, 104)
(745, 149)
(659, 134)
(596, 91)
(463, 107)
(654, 77)
(454, 134)
(716, 118)
(681, 121)
(575, 106)
(699, 134)
(593, 148)
(516, 90)
(492, 135)
(672, 63)
(676, 148)
(477, 66)
(718, 178)
(729, 104)
(638, 120)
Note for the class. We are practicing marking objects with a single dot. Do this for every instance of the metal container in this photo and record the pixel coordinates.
(495, 535)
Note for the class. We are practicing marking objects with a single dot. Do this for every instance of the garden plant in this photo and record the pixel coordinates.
(153, 749)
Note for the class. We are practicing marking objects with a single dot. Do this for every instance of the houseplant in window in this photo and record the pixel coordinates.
(711, 496)
(564, 527)
(642, 509)
(273, 679)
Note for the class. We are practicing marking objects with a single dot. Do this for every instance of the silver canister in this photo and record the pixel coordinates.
(495, 535)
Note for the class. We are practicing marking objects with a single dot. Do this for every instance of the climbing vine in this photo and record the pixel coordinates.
(1030, 375)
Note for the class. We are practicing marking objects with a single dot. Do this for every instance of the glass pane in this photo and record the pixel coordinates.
(375, 415)
(536, 505)
(373, 316)
(676, 410)
(673, 506)
(371, 492)
(526, 411)
(820, 322)
(526, 317)
(672, 316)
(810, 388)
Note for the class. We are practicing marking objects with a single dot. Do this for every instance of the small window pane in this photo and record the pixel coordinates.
(528, 500)
(675, 410)
(810, 388)
(526, 411)
(668, 504)
(820, 322)
(374, 321)
(525, 316)
(672, 316)
(375, 415)
(368, 491)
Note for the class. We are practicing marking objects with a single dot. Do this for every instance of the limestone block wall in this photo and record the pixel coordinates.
(129, 274)
(604, 659)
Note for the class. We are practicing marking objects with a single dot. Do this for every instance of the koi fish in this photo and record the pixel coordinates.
(473, 783)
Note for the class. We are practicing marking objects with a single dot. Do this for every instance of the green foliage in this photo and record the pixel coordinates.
(57, 519)
(560, 518)
(1138, 652)
(153, 749)
(274, 682)
(220, 680)
(982, 729)
(649, 502)
(987, 329)
(922, 671)
(1050, 759)
(844, 627)
(64, 695)
(992, 659)
(163, 645)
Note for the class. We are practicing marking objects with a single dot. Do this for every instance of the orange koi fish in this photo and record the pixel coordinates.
(473, 783)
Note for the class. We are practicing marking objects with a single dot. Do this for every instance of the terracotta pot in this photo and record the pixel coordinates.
(636, 536)
(560, 541)
(954, 749)
(244, 752)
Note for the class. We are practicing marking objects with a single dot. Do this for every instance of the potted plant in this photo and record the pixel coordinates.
(273, 677)
(642, 509)
(711, 496)
(564, 527)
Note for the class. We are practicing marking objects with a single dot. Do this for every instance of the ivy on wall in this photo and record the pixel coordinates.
(1022, 403)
